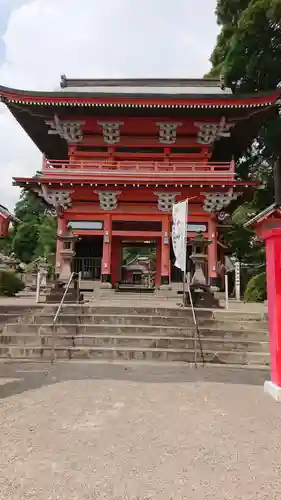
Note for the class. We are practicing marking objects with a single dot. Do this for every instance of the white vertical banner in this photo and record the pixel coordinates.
(180, 212)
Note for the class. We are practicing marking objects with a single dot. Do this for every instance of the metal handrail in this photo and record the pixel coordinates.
(57, 315)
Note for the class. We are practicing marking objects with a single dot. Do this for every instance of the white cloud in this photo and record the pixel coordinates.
(137, 38)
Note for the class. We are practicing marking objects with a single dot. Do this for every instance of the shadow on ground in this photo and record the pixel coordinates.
(35, 375)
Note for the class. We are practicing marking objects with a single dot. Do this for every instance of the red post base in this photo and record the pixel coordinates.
(273, 270)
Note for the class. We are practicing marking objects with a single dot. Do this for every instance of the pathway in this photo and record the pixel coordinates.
(120, 431)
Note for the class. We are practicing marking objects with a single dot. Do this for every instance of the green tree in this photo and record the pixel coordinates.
(248, 54)
(46, 243)
(35, 235)
(30, 206)
(24, 243)
(248, 49)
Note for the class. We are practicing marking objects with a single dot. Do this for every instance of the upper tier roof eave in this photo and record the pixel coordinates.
(37, 180)
(74, 97)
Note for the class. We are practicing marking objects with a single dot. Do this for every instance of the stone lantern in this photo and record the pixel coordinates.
(200, 290)
(198, 255)
(67, 253)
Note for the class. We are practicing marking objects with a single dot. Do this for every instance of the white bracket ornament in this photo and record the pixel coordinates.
(166, 201)
(111, 131)
(168, 132)
(71, 131)
(59, 199)
(209, 132)
(108, 199)
(216, 202)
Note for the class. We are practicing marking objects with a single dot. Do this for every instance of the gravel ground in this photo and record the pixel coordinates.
(137, 433)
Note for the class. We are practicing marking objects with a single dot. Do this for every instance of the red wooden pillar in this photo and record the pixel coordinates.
(213, 253)
(165, 251)
(61, 228)
(115, 260)
(106, 252)
(273, 270)
(158, 262)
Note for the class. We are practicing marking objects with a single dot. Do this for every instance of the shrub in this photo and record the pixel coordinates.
(256, 289)
(10, 283)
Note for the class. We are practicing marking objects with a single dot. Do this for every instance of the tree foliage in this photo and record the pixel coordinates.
(256, 289)
(248, 49)
(35, 235)
(24, 242)
(248, 54)
(228, 13)
(46, 242)
(10, 283)
(30, 206)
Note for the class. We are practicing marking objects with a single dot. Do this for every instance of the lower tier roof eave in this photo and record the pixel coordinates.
(26, 181)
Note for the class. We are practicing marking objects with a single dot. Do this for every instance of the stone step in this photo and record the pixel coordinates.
(11, 314)
(123, 310)
(115, 319)
(7, 318)
(120, 329)
(224, 314)
(18, 308)
(209, 343)
(231, 325)
(129, 290)
(136, 319)
(137, 331)
(115, 310)
(129, 353)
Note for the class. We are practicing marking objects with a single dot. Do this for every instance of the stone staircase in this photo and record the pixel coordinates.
(136, 332)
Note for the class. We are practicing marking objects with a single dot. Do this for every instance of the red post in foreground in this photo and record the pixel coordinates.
(273, 271)
(268, 228)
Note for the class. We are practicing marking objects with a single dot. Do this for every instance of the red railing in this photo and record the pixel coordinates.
(140, 168)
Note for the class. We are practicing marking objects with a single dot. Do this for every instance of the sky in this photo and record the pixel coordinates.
(42, 39)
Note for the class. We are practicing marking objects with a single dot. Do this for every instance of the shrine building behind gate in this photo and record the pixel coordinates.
(117, 154)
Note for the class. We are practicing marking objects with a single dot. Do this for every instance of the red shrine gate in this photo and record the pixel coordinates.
(6, 218)
(119, 153)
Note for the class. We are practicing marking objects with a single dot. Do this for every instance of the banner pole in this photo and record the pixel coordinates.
(226, 290)
(183, 290)
(184, 273)
(179, 238)
(184, 269)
